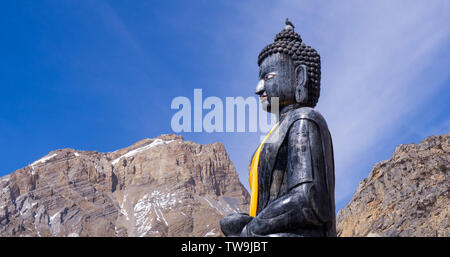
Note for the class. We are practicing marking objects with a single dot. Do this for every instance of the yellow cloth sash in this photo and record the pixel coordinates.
(253, 177)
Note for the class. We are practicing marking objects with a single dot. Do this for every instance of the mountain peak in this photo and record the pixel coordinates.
(163, 186)
(406, 195)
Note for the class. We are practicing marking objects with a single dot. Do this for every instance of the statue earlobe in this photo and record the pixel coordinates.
(301, 89)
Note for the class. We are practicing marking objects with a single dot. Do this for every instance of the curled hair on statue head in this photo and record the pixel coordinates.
(289, 43)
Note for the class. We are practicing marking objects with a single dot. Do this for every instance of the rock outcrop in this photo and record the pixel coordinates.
(407, 195)
(157, 187)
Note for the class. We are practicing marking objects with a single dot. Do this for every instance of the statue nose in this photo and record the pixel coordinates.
(260, 87)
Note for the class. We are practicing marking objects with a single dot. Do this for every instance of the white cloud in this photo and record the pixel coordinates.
(369, 79)
(374, 55)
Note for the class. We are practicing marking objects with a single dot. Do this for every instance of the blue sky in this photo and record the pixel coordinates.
(100, 75)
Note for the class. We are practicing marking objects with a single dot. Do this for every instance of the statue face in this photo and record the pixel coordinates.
(277, 79)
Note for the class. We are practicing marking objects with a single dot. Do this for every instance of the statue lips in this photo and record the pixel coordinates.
(264, 100)
(263, 96)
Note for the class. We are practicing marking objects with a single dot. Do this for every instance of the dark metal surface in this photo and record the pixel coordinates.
(296, 165)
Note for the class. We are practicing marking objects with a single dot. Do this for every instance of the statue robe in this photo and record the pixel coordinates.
(296, 179)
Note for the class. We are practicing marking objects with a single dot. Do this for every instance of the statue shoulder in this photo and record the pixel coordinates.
(309, 114)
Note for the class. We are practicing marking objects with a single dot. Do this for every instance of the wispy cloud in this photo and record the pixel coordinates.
(370, 79)
(115, 23)
(374, 57)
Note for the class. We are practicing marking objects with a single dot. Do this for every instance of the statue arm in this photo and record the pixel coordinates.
(299, 206)
(232, 224)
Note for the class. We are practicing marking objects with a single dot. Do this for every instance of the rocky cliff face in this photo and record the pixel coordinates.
(157, 187)
(407, 195)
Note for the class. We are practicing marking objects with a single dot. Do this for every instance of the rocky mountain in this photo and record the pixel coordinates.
(407, 195)
(164, 186)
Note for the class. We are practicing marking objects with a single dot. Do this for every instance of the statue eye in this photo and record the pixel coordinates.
(269, 76)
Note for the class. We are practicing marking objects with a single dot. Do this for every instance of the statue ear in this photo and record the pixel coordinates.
(301, 89)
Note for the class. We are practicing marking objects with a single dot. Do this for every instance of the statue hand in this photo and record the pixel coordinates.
(233, 224)
(249, 229)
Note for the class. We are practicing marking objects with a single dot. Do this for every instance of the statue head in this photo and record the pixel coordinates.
(289, 70)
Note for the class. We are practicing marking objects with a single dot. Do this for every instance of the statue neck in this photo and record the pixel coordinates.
(284, 110)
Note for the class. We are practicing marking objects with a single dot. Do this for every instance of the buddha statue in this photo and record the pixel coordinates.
(292, 171)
